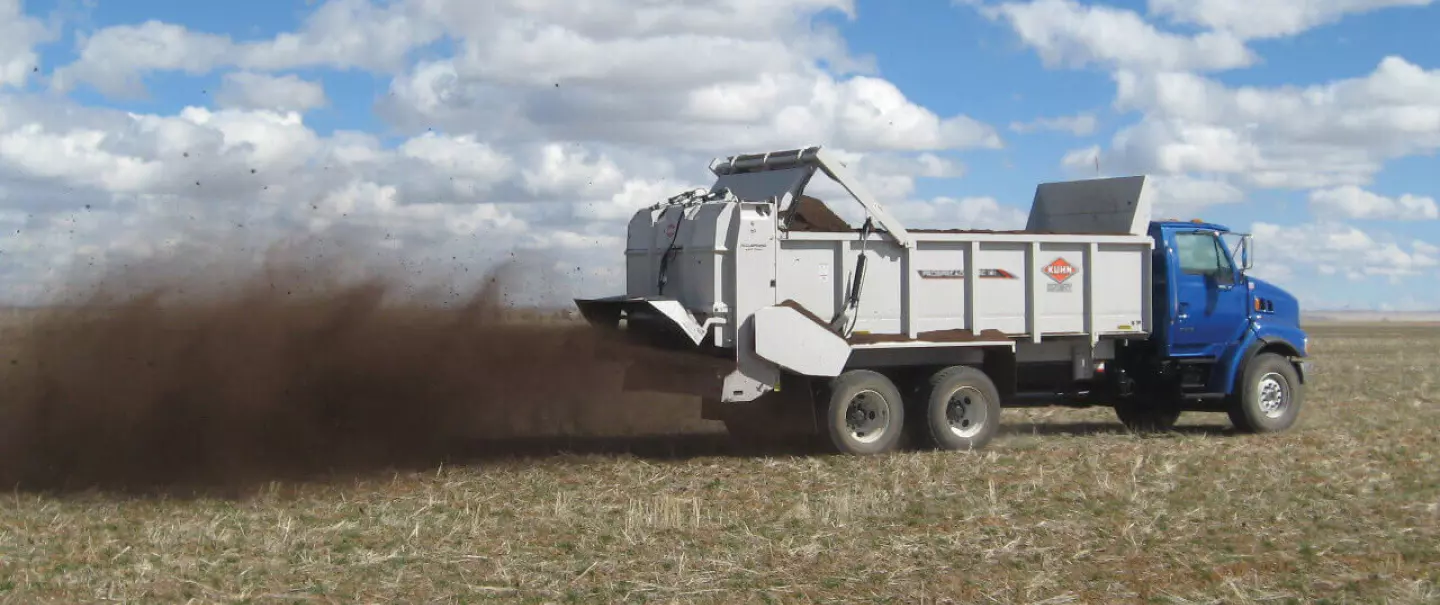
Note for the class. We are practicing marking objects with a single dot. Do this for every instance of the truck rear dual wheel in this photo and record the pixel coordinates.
(1269, 396)
(961, 409)
(865, 413)
(958, 409)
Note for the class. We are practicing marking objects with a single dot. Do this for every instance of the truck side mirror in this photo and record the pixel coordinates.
(1241, 252)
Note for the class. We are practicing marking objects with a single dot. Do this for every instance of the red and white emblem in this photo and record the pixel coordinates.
(1059, 270)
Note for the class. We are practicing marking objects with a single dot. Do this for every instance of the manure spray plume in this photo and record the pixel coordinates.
(220, 374)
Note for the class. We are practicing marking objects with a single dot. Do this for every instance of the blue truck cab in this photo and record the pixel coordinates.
(1223, 340)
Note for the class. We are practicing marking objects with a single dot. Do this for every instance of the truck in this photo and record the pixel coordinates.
(788, 322)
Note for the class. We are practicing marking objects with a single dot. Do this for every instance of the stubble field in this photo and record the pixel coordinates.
(1064, 507)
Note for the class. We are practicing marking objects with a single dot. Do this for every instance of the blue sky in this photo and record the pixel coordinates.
(465, 130)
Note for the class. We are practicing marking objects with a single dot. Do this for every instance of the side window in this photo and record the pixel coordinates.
(1222, 259)
(1200, 254)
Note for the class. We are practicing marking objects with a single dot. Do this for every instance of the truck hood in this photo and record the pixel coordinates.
(1279, 315)
(1282, 306)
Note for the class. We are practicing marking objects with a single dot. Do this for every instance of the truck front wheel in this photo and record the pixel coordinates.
(1268, 396)
(865, 414)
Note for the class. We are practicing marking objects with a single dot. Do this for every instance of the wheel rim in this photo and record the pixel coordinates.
(867, 416)
(1273, 394)
(966, 412)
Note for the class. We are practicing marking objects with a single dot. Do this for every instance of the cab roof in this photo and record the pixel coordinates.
(1191, 224)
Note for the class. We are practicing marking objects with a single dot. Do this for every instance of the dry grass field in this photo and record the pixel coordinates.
(1064, 508)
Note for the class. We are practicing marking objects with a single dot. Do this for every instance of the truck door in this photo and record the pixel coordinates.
(1211, 304)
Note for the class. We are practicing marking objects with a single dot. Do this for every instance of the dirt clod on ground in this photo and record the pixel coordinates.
(163, 379)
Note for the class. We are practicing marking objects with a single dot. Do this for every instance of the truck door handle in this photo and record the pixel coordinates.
(1184, 311)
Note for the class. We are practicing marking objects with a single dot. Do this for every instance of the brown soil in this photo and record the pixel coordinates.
(222, 378)
(811, 214)
(933, 336)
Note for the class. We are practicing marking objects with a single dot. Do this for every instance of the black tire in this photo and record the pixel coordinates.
(877, 404)
(965, 391)
(1139, 416)
(1268, 396)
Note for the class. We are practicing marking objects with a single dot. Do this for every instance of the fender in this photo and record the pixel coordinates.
(1257, 339)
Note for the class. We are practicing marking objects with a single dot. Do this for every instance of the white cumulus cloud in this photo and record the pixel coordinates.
(539, 126)
(1250, 19)
(340, 34)
(247, 90)
(1067, 33)
(1333, 248)
(19, 33)
(548, 125)
(960, 213)
(1317, 136)
(1353, 202)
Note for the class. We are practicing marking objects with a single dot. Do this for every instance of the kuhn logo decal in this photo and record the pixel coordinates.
(1059, 270)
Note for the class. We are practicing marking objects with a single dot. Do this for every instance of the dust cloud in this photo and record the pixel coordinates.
(210, 373)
